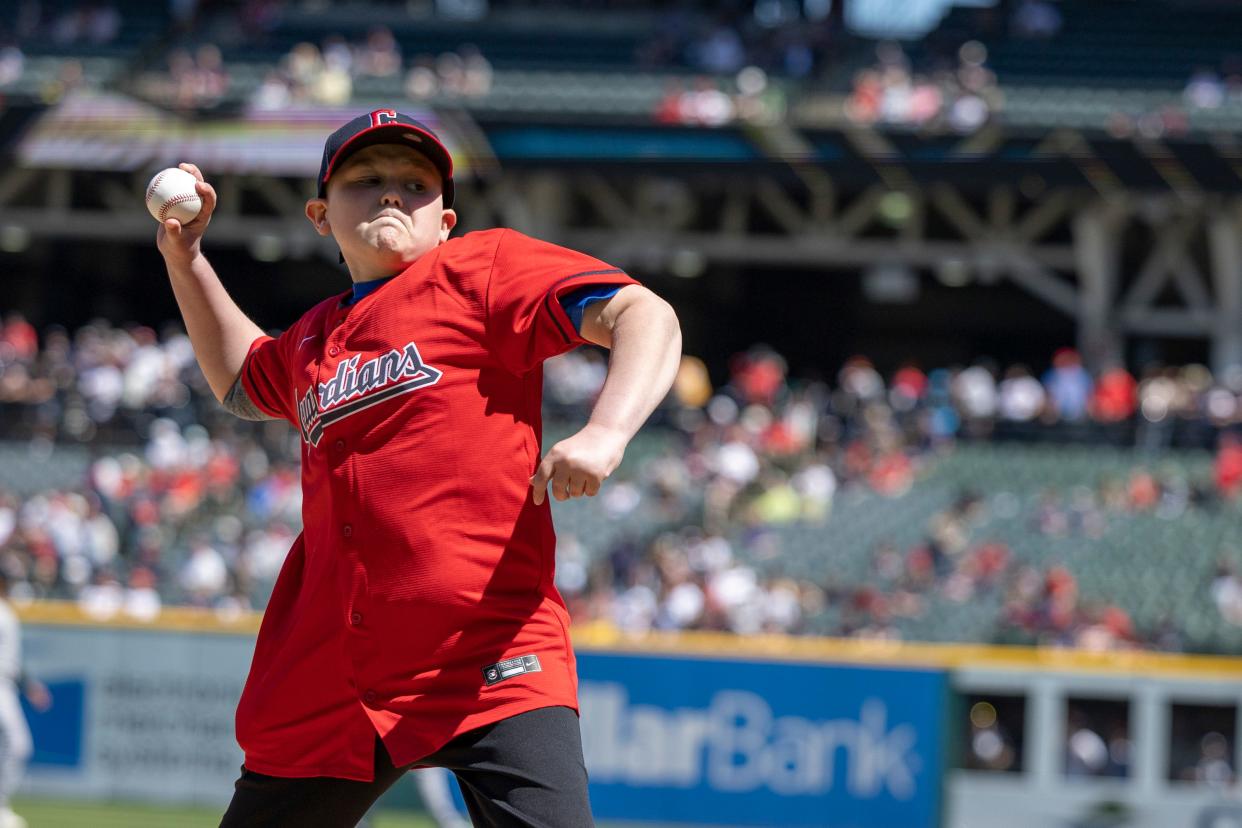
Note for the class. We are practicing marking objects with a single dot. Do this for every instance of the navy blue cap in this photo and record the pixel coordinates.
(386, 126)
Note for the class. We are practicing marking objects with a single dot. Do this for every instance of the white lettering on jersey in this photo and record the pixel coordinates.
(357, 386)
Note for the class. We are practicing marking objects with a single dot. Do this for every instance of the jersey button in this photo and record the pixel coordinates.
(347, 531)
(369, 697)
(355, 618)
(339, 445)
(333, 351)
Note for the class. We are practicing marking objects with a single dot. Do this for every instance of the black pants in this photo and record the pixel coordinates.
(525, 771)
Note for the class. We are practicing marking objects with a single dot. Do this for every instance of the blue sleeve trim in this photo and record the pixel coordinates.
(575, 302)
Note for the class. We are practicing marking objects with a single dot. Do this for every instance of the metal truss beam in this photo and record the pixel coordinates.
(1063, 247)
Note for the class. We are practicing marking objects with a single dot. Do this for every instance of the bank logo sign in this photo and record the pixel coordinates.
(753, 743)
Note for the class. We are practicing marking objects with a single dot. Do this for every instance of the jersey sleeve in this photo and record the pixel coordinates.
(526, 322)
(267, 379)
(576, 301)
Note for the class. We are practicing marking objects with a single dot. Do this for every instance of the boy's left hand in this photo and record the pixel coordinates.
(577, 465)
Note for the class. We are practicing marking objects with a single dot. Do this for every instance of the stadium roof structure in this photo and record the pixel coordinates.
(1133, 236)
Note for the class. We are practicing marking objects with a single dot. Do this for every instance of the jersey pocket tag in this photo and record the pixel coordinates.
(511, 667)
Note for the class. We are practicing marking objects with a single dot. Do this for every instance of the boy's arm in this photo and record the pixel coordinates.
(219, 331)
(642, 332)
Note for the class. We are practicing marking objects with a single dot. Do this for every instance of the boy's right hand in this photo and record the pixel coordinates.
(179, 243)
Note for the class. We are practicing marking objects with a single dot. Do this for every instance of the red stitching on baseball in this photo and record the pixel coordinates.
(177, 199)
(155, 182)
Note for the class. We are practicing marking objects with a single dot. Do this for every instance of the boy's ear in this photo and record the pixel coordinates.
(317, 212)
(448, 220)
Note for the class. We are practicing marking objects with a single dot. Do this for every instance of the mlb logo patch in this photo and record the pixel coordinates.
(511, 667)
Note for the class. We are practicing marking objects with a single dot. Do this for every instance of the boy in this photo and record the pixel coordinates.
(415, 622)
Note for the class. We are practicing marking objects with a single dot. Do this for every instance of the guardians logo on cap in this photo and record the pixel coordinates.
(386, 126)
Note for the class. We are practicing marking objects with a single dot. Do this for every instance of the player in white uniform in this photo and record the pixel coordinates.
(434, 785)
(434, 788)
(15, 742)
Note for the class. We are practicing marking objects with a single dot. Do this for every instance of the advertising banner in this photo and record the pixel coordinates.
(136, 714)
(748, 743)
(148, 715)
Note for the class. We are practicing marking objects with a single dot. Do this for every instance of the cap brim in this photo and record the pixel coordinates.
(400, 134)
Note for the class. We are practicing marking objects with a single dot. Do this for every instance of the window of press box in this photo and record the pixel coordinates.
(1203, 744)
(1097, 738)
(992, 732)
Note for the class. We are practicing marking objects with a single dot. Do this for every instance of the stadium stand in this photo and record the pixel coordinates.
(944, 506)
(1144, 45)
(1069, 502)
(983, 502)
(49, 48)
(1099, 66)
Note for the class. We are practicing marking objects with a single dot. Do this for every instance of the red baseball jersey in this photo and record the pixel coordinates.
(418, 602)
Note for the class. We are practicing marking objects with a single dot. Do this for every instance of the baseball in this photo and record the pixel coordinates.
(171, 195)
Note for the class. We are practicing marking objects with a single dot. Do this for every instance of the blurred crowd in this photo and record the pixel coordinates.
(776, 37)
(324, 74)
(327, 74)
(190, 518)
(706, 101)
(1214, 87)
(76, 26)
(762, 454)
(184, 505)
(745, 47)
(76, 23)
(959, 93)
(1035, 20)
(1097, 741)
(99, 384)
(724, 63)
(181, 502)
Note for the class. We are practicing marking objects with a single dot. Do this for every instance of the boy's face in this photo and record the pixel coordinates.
(384, 209)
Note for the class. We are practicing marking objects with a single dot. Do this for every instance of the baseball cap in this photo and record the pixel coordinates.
(385, 126)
